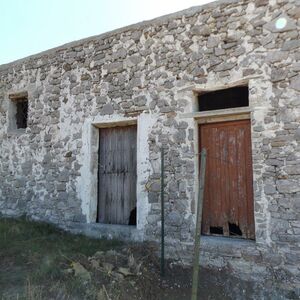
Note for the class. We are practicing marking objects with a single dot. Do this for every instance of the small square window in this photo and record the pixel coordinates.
(18, 111)
(22, 113)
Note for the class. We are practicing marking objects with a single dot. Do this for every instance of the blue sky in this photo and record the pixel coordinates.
(30, 26)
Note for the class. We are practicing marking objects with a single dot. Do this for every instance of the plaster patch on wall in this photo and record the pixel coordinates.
(145, 123)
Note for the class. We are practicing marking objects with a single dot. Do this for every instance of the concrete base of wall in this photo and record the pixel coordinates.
(247, 260)
(105, 231)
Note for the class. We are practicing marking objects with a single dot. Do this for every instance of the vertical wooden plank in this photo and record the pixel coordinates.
(132, 170)
(124, 178)
(249, 187)
(128, 178)
(115, 188)
(241, 201)
(118, 196)
(222, 184)
(210, 175)
(217, 154)
(232, 167)
(101, 178)
(114, 177)
(206, 201)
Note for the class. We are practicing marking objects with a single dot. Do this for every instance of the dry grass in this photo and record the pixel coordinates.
(33, 257)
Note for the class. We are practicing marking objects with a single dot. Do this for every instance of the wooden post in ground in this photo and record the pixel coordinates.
(198, 225)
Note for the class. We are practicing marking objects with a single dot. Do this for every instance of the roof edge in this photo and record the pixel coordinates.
(140, 25)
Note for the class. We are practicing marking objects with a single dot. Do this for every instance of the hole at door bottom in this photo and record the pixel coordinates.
(234, 229)
(132, 217)
(216, 230)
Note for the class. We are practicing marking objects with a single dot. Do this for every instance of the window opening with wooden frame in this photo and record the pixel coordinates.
(19, 109)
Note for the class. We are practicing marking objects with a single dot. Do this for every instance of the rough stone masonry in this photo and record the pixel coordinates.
(149, 74)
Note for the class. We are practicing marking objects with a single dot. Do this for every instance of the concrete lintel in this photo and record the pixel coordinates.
(115, 123)
(204, 88)
(18, 95)
(217, 113)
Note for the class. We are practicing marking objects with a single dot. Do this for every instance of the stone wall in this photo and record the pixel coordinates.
(148, 74)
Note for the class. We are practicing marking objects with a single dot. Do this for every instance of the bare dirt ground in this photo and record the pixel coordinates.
(38, 261)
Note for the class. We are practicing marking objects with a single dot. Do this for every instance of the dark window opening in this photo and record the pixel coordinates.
(222, 99)
(216, 230)
(234, 229)
(132, 217)
(21, 112)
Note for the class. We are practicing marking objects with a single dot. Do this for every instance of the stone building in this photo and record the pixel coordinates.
(224, 76)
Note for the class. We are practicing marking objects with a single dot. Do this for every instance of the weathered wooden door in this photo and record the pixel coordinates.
(228, 195)
(117, 174)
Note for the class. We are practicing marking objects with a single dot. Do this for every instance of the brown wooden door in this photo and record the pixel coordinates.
(228, 195)
(117, 174)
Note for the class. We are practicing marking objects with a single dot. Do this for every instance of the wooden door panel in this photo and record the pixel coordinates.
(228, 199)
(117, 174)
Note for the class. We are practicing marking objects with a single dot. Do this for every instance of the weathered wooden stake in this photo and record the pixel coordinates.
(162, 198)
(198, 225)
